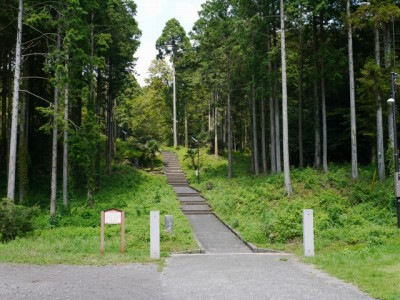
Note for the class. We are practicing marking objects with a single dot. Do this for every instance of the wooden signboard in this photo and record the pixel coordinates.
(112, 216)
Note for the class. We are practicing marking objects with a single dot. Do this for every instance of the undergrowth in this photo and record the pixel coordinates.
(74, 235)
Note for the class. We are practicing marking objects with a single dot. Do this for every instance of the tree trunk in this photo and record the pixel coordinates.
(277, 122)
(14, 116)
(317, 121)
(352, 96)
(387, 54)
(174, 107)
(229, 124)
(186, 128)
(272, 118)
(53, 197)
(22, 145)
(224, 130)
(324, 125)
(210, 114)
(4, 123)
(301, 67)
(216, 125)
(109, 120)
(65, 144)
(254, 118)
(263, 133)
(99, 98)
(286, 165)
(379, 118)
(323, 104)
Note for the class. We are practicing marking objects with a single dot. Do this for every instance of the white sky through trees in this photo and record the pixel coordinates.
(152, 16)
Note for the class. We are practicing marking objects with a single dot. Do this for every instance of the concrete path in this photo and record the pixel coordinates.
(250, 276)
(192, 276)
(213, 236)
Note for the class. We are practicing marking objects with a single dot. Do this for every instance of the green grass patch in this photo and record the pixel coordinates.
(74, 237)
(356, 235)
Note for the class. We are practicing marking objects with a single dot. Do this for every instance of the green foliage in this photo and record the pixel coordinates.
(192, 154)
(15, 220)
(173, 41)
(147, 115)
(150, 151)
(129, 151)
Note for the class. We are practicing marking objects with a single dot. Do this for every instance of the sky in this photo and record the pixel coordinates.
(152, 16)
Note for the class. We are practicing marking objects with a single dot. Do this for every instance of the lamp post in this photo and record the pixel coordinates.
(395, 146)
(198, 159)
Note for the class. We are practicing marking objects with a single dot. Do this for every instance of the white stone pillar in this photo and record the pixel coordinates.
(308, 232)
(155, 234)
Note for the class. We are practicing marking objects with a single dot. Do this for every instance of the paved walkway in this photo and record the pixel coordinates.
(192, 276)
(213, 236)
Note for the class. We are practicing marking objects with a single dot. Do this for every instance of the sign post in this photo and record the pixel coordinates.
(112, 216)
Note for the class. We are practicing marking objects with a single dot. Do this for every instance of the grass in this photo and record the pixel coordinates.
(76, 237)
(356, 235)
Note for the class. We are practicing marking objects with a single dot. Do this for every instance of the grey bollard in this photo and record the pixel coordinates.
(308, 232)
(155, 234)
(169, 223)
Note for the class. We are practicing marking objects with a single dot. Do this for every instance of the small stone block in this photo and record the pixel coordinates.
(169, 223)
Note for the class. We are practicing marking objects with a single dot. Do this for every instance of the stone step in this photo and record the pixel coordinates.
(176, 181)
(203, 207)
(196, 205)
(179, 184)
(194, 212)
(173, 171)
(192, 198)
(186, 190)
(183, 194)
(176, 175)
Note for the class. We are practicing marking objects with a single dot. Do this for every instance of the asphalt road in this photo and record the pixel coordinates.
(194, 276)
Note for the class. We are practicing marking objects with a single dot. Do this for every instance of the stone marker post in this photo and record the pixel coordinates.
(308, 232)
(169, 223)
(155, 234)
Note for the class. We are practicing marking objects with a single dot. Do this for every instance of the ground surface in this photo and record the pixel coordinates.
(227, 270)
(194, 276)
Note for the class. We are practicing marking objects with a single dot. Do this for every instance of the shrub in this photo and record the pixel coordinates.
(191, 154)
(15, 220)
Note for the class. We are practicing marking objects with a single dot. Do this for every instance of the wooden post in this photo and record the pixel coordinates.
(123, 232)
(102, 233)
(112, 216)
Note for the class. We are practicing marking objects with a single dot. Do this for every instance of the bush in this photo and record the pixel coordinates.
(15, 220)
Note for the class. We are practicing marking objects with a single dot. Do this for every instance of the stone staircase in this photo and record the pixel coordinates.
(191, 201)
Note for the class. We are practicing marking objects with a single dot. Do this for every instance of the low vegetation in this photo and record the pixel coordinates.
(73, 237)
(356, 233)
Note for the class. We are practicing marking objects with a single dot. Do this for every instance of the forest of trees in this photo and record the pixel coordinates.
(296, 83)
(72, 64)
